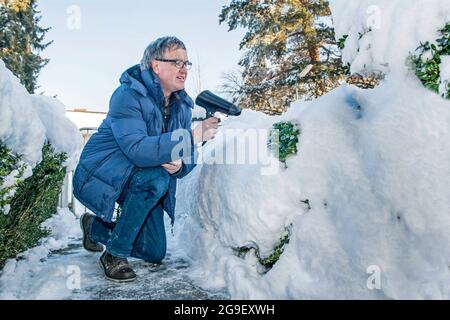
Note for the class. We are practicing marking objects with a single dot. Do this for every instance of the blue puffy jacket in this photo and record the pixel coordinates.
(132, 137)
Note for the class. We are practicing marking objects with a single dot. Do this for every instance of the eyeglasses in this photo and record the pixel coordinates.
(178, 63)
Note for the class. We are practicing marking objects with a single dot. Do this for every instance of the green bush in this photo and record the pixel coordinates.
(284, 139)
(269, 261)
(10, 165)
(428, 69)
(35, 200)
(341, 41)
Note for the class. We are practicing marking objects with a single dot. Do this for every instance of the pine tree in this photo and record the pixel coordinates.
(21, 39)
(284, 37)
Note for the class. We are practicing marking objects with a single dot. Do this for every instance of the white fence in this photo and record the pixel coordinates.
(66, 198)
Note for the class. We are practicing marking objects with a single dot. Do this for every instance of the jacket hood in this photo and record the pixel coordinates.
(147, 83)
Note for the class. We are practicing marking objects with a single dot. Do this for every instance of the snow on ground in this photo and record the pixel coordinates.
(27, 277)
(372, 163)
(60, 268)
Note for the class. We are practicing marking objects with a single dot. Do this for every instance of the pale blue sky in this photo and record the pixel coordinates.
(86, 63)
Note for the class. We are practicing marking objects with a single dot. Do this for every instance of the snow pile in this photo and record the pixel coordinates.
(382, 34)
(20, 127)
(27, 121)
(198, 113)
(15, 277)
(60, 131)
(445, 75)
(373, 165)
(445, 69)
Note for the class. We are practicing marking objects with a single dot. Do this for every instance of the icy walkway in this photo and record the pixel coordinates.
(168, 281)
(74, 273)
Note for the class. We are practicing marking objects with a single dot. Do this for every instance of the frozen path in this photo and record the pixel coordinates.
(168, 281)
(73, 273)
(60, 268)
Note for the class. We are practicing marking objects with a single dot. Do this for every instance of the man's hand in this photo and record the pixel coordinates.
(172, 167)
(206, 130)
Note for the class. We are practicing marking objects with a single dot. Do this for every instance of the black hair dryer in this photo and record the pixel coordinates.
(213, 104)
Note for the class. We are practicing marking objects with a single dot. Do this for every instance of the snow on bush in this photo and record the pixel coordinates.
(37, 144)
(64, 228)
(366, 198)
(20, 126)
(61, 132)
(26, 123)
(382, 34)
(444, 69)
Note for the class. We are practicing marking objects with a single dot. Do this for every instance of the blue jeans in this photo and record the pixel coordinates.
(139, 232)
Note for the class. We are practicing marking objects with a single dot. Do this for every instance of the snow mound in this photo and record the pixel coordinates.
(382, 34)
(373, 166)
(60, 131)
(28, 121)
(20, 126)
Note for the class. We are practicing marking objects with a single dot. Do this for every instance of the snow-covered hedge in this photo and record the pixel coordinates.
(34, 201)
(284, 140)
(37, 144)
(367, 196)
(12, 169)
(430, 63)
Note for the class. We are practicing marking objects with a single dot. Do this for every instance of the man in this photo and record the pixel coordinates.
(134, 159)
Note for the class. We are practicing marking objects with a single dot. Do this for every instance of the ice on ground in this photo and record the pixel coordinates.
(61, 269)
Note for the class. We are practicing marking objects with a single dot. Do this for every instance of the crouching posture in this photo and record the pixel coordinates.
(140, 150)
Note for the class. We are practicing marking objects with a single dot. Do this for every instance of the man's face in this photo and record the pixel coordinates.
(172, 79)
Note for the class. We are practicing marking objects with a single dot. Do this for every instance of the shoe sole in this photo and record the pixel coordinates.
(112, 279)
(82, 229)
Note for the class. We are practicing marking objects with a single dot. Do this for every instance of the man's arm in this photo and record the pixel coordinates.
(130, 131)
(188, 164)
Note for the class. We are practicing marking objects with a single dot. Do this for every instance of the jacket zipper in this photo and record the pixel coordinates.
(166, 113)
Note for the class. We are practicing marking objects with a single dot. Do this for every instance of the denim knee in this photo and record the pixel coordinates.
(161, 184)
(152, 255)
(155, 180)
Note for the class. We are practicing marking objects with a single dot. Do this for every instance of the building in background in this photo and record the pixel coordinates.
(87, 121)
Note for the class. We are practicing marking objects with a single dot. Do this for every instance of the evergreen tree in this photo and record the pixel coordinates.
(21, 39)
(284, 38)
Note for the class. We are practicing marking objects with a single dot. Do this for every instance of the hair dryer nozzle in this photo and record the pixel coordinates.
(213, 103)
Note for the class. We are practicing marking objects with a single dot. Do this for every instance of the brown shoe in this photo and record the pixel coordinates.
(85, 222)
(116, 269)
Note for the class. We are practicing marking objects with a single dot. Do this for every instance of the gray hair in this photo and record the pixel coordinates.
(158, 48)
